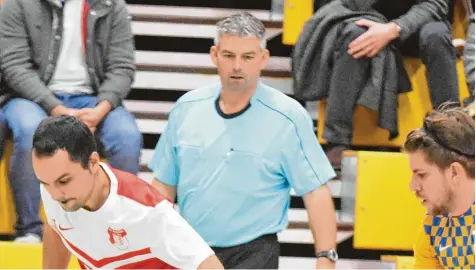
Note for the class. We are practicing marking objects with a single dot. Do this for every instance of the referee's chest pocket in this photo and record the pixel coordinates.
(247, 166)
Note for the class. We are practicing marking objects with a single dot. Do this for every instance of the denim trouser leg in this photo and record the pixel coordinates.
(122, 139)
(23, 117)
(3, 132)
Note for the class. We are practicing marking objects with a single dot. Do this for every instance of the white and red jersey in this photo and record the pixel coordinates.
(136, 228)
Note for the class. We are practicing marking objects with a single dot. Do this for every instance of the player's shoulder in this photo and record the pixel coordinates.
(276, 100)
(136, 190)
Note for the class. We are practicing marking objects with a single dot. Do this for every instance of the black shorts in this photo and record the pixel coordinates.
(261, 253)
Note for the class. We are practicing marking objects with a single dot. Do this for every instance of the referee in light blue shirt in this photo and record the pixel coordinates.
(231, 152)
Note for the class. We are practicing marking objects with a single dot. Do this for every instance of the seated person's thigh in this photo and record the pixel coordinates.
(23, 117)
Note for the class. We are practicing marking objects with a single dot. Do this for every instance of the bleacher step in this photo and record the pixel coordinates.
(304, 236)
(195, 15)
(155, 110)
(200, 63)
(242, 4)
(187, 81)
(298, 219)
(310, 263)
(186, 30)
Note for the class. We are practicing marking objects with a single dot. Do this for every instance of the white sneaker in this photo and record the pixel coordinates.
(29, 238)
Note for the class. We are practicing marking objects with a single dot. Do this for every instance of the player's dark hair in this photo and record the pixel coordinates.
(67, 133)
(447, 136)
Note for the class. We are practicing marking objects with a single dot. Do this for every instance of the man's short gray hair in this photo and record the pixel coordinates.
(242, 24)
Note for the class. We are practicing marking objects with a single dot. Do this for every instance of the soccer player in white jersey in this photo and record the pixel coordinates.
(107, 218)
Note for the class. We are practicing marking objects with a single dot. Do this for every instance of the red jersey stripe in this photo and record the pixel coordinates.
(84, 25)
(136, 189)
(105, 261)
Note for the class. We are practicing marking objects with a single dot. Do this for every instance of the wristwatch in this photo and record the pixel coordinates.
(329, 254)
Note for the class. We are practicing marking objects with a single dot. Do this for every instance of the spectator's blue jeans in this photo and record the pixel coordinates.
(118, 131)
(3, 132)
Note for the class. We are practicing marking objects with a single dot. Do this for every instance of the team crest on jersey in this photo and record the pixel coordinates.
(118, 238)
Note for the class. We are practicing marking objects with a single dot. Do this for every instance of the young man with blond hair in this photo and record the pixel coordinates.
(442, 160)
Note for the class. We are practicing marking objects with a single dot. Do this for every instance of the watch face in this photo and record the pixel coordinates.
(330, 254)
(333, 255)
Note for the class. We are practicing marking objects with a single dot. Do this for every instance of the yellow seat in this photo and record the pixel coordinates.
(25, 256)
(296, 13)
(7, 212)
(387, 215)
(460, 20)
(412, 108)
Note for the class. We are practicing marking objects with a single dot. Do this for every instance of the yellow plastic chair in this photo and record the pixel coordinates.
(387, 215)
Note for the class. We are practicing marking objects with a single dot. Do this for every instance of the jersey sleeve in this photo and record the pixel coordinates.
(425, 255)
(173, 240)
(304, 162)
(164, 162)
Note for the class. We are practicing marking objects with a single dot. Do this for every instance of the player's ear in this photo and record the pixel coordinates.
(456, 172)
(214, 54)
(94, 161)
(265, 58)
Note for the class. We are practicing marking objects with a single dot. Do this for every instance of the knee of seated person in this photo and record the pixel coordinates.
(127, 137)
(23, 125)
(433, 35)
(23, 135)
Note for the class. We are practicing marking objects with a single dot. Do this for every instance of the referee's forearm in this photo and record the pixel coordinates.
(55, 254)
(322, 218)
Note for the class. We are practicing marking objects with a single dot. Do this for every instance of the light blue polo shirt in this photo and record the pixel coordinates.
(234, 175)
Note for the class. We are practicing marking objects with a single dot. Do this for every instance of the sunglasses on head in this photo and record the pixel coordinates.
(442, 143)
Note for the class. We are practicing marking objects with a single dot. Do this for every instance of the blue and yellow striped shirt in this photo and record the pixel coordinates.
(446, 242)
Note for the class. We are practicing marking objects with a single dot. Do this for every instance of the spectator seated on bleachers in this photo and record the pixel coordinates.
(348, 52)
(65, 57)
